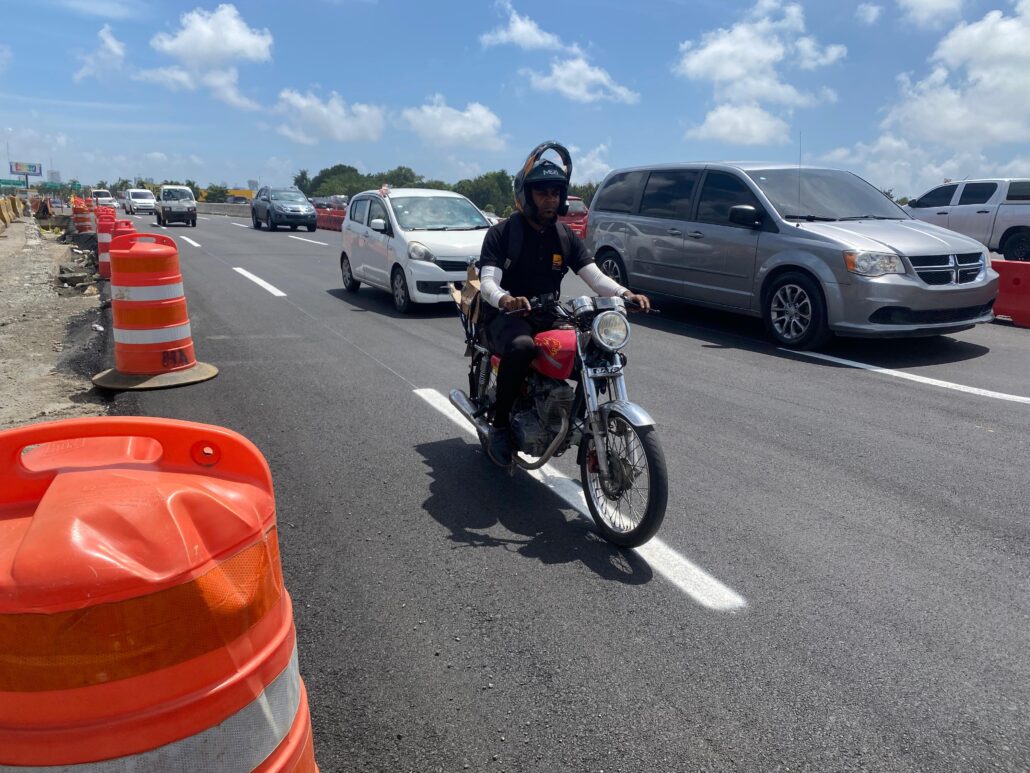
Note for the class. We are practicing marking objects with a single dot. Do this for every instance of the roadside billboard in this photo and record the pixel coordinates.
(24, 167)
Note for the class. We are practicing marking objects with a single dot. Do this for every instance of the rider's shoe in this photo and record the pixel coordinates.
(498, 446)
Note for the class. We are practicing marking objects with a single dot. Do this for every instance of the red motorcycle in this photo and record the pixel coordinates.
(622, 467)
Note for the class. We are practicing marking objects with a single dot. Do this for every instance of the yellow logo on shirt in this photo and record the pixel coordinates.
(556, 261)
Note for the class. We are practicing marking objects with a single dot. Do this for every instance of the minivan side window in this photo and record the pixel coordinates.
(977, 193)
(938, 197)
(358, 210)
(620, 194)
(376, 209)
(669, 193)
(720, 192)
(1019, 191)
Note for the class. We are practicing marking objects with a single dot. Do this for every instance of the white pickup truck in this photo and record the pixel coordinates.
(994, 212)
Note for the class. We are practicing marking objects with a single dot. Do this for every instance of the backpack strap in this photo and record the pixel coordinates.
(565, 240)
(514, 240)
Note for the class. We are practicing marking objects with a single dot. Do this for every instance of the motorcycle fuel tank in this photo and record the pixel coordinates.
(555, 353)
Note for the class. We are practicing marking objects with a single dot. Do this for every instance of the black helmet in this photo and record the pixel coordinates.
(539, 170)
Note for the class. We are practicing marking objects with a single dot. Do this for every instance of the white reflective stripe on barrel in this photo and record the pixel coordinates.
(105, 257)
(240, 743)
(148, 293)
(102, 237)
(159, 335)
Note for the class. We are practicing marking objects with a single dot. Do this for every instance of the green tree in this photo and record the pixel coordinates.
(216, 194)
(120, 185)
(888, 192)
(302, 181)
(903, 200)
(193, 187)
(101, 185)
(585, 191)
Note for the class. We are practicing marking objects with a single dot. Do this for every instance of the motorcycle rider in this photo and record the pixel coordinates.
(533, 267)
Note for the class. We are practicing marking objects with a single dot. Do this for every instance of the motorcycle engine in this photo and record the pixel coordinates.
(537, 420)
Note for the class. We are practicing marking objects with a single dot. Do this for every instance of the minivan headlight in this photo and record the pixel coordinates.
(610, 330)
(873, 263)
(419, 251)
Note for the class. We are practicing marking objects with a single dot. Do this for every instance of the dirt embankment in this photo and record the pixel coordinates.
(49, 346)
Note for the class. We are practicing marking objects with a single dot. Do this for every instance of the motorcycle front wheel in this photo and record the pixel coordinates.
(628, 508)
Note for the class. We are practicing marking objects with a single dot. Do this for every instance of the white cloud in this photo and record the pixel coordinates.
(520, 31)
(195, 159)
(976, 94)
(930, 13)
(591, 166)
(311, 119)
(437, 124)
(580, 81)
(743, 64)
(106, 60)
(742, 125)
(155, 156)
(868, 13)
(5, 57)
(209, 38)
(109, 9)
(174, 78)
(224, 87)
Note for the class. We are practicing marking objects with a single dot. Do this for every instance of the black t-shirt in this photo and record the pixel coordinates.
(540, 267)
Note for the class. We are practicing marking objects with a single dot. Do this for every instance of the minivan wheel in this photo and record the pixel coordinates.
(255, 221)
(350, 284)
(1017, 247)
(611, 264)
(795, 312)
(270, 222)
(401, 296)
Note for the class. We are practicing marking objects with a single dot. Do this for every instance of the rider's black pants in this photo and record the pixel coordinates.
(512, 338)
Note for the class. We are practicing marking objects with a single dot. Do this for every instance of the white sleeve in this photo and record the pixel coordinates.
(490, 285)
(599, 282)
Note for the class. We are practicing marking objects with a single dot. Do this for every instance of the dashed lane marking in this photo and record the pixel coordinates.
(702, 587)
(188, 239)
(260, 282)
(311, 241)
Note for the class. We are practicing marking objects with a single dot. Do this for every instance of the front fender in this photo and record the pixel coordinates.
(631, 412)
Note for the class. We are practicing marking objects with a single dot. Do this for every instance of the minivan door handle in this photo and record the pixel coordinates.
(674, 232)
(696, 235)
(943, 213)
(983, 211)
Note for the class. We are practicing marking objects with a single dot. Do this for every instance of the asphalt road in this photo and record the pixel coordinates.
(841, 582)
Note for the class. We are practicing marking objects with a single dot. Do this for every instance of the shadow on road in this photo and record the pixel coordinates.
(380, 302)
(726, 330)
(472, 498)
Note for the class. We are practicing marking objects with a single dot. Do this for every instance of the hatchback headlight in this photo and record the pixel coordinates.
(419, 251)
(873, 263)
(610, 330)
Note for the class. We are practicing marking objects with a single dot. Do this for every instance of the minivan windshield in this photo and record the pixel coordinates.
(437, 213)
(824, 194)
(177, 194)
(101, 195)
(287, 196)
(142, 195)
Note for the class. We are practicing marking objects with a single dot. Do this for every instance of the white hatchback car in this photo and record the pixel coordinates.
(411, 242)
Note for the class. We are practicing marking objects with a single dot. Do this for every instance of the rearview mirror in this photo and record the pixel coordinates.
(378, 224)
(746, 215)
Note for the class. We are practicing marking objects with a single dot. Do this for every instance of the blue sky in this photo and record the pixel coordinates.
(903, 92)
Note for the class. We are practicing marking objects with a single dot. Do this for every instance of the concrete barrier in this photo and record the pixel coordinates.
(233, 210)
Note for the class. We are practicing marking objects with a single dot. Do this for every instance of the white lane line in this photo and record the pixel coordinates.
(912, 377)
(163, 228)
(705, 589)
(241, 225)
(188, 239)
(259, 281)
(312, 241)
(202, 218)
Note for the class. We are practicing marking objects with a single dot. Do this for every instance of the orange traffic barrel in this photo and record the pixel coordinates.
(144, 624)
(84, 220)
(153, 340)
(105, 232)
(1013, 291)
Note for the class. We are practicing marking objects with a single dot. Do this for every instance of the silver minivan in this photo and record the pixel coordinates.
(812, 251)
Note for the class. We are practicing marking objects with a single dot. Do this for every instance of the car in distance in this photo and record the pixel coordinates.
(813, 252)
(274, 207)
(139, 200)
(576, 217)
(102, 198)
(175, 204)
(411, 242)
(995, 212)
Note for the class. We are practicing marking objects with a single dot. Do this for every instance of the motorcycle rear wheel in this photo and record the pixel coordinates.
(629, 509)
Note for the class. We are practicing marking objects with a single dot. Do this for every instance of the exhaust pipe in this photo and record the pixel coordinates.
(465, 407)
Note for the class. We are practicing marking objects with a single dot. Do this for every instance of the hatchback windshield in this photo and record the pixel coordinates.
(288, 196)
(142, 195)
(101, 195)
(577, 207)
(437, 213)
(174, 194)
(824, 194)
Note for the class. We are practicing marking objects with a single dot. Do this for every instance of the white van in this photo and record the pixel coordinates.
(411, 242)
(175, 203)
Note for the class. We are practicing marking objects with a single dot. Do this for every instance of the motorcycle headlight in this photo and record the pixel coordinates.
(418, 251)
(610, 330)
(873, 263)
